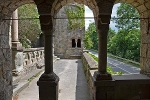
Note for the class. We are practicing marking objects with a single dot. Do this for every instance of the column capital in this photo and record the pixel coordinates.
(46, 22)
(104, 19)
(105, 6)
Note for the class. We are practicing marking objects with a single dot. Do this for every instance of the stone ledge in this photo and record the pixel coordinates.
(91, 62)
(129, 87)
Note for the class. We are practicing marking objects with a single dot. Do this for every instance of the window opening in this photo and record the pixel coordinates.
(79, 43)
(73, 43)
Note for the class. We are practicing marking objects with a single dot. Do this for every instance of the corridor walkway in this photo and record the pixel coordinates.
(72, 84)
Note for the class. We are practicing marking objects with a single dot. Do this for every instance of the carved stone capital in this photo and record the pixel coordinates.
(102, 76)
(105, 6)
(46, 22)
(52, 77)
(44, 6)
(104, 19)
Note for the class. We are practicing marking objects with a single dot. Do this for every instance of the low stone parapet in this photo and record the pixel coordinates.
(28, 60)
(121, 87)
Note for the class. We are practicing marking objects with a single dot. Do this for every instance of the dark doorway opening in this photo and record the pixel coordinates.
(73, 43)
(79, 43)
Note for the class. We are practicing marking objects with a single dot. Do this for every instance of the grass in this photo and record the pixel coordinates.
(125, 61)
(31, 78)
(109, 69)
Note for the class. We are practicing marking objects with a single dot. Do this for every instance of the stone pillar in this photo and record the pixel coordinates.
(17, 65)
(48, 82)
(76, 41)
(102, 29)
(16, 45)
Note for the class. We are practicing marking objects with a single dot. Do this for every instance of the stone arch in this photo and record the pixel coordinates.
(143, 7)
(144, 11)
(57, 5)
(7, 7)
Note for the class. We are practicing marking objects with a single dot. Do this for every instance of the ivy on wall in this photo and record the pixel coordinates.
(75, 16)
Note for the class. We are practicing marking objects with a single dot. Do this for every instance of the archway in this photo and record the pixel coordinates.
(143, 8)
(125, 29)
(6, 69)
(43, 6)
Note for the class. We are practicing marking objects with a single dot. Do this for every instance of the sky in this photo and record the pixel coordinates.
(89, 13)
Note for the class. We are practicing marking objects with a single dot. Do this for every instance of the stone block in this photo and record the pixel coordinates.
(142, 63)
(148, 54)
(141, 1)
(141, 8)
(147, 65)
(144, 26)
(129, 1)
(136, 4)
(145, 38)
(147, 5)
(144, 48)
(70, 1)
(63, 2)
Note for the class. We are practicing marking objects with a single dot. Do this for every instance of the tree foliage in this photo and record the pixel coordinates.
(127, 14)
(124, 43)
(75, 16)
(91, 37)
(29, 29)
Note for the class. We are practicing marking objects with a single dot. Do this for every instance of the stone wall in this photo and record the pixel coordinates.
(5, 62)
(63, 37)
(124, 87)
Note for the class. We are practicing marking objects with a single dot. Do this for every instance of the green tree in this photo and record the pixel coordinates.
(126, 44)
(111, 33)
(29, 29)
(91, 37)
(127, 14)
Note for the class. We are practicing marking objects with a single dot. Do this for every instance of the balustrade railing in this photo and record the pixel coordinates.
(27, 60)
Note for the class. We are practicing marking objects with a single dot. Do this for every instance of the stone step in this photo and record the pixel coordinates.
(17, 88)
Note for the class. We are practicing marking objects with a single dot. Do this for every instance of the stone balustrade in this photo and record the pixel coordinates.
(27, 60)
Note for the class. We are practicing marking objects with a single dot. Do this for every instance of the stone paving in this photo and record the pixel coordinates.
(72, 84)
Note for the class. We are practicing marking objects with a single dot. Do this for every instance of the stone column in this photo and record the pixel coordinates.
(102, 29)
(17, 49)
(15, 26)
(16, 45)
(48, 82)
(76, 41)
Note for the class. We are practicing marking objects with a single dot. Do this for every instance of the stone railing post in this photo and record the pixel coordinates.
(48, 82)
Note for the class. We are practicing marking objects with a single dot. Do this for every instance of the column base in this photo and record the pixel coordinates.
(17, 46)
(48, 86)
(102, 76)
